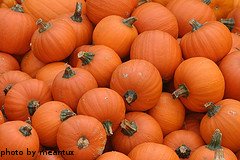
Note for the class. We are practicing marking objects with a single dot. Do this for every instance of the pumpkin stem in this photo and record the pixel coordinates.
(206, 1)
(142, 2)
(26, 130)
(182, 91)
(65, 114)
(128, 128)
(215, 141)
(43, 26)
(29, 121)
(230, 22)
(129, 21)
(33, 106)
(108, 127)
(85, 57)
(195, 25)
(183, 151)
(130, 96)
(77, 17)
(219, 154)
(212, 109)
(68, 73)
(17, 8)
(7, 88)
(83, 142)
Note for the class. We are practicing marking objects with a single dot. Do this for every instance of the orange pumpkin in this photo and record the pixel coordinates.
(222, 115)
(7, 3)
(83, 135)
(139, 82)
(154, 16)
(157, 46)
(18, 136)
(197, 81)
(48, 155)
(113, 155)
(24, 98)
(152, 151)
(69, 85)
(8, 62)
(136, 128)
(185, 10)
(192, 122)
(14, 20)
(232, 21)
(117, 33)
(169, 113)
(236, 3)
(183, 142)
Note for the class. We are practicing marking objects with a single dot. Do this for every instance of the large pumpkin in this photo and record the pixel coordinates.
(139, 83)
(8, 62)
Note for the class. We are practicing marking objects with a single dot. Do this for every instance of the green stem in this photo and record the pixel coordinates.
(128, 128)
(206, 1)
(108, 127)
(77, 17)
(85, 57)
(130, 96)
(183, 151)
(212, 109)
(43, 26)
(129, 21)
(65, 114)
(68, 73)
(33, 106)
(7, 88)
(182, 91)
(215, 141)
(18, 8)
(83, 142)
(195, 25)
(26, 130)
(230, 22)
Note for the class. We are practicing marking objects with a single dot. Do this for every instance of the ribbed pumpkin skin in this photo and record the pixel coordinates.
(99, 9)
(8, 62)
(159, 48)
(204, 81)
(48, 10)
(143, 78)
(185, 10)
(21, 25)
(213, 40)
(178, 138)
(113, 155)
(153, 16)
(235, 14)
(152, 151)
(227, 120)
(54, 44)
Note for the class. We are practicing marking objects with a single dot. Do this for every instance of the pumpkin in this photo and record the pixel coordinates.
(235, 42)
(139, 83)
(15, 21)
(207, 152)
(113, 155)
(185, 10)
(152, 151)
(30, 64)
(82, 27)
(99, 60)
(83, 135)
(52, 37)
(7, 3)
(48, 72)
(105, 105)
(212, 40)
(198, 80)
(99, 9)
(222, 115)
(157, 46)
(48, 10)
(154, 16)
(47, 119)
(192, 122)
(116, 32)
(232, 21)
(8, 62)
(48, 155)
(183, 142)
(163, 2)
(8, 79)
(136, 128)
(25, 97)
(73, 58)
(69, 85)
(169, 113)
(20, 137)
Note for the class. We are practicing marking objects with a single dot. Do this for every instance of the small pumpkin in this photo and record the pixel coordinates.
(139, 83)
(69, 85)
(83, 135)
(113, 155)
(24, 98)
(8, 62)
(18, 136)
(183, 142)
(152, 151)
(117, 33)
(48, 155)
(136, 128)
(7, 3)
(15, 21)
(192, 122)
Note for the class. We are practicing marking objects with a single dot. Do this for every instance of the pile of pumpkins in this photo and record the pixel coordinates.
(120, 79)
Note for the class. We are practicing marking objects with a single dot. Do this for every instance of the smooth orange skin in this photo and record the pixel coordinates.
(192, 122)
(8, 62)
(227, 120)
(113, 155)
(204, 81)
(73, 128)
(113, 33)
(159, 48)
(178, 138)
(235, 14)
(154, 16)
(152, 151)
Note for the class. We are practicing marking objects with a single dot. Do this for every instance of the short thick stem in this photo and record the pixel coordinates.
(130, 96)
(26, 130)
(183, 151)
(18, 8)
(182, 91)
(128, 128)
(195, 25)
(68, 73)
(7, 88)
(108, 127)
(212, 109)
(65, 114)
(77, 17)
(215, 141)
(83, 142)
(230, 22)
(129, 21)
(33, 106)
(206, 1)
(85, 57)
(43, 26)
